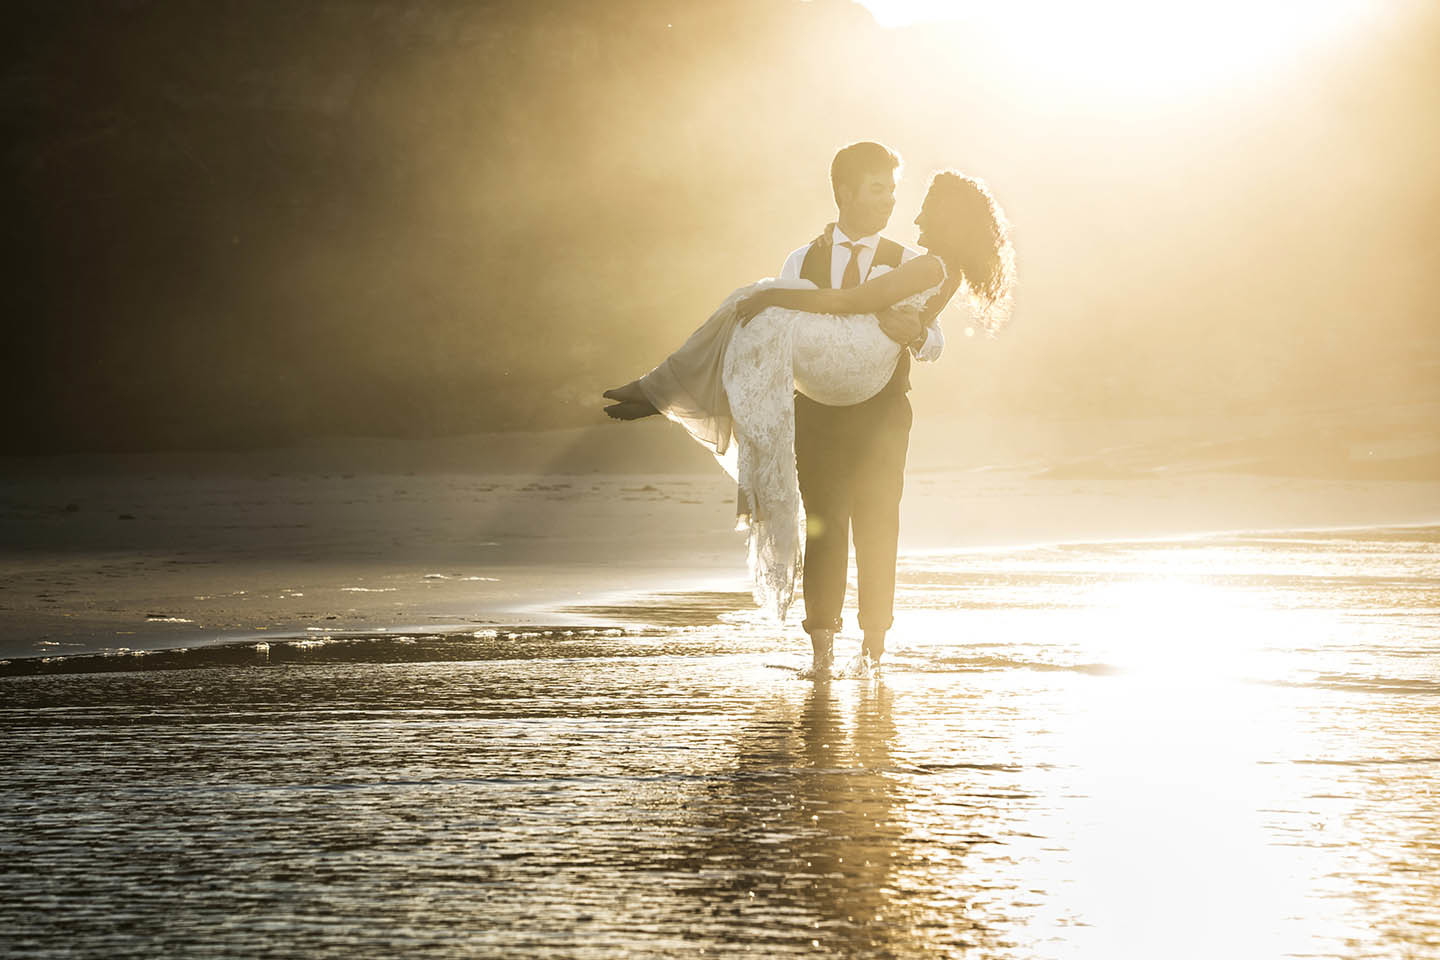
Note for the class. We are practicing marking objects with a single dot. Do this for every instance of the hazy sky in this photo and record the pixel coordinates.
(244, 224)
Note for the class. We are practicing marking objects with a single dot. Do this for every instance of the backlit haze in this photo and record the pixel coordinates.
(245, 226)
(409, 651)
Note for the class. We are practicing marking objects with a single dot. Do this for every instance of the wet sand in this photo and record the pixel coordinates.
(507, 697)
(1196, 748)
(145, 552)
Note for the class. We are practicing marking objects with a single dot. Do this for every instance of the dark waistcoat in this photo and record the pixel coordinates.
(816, 269)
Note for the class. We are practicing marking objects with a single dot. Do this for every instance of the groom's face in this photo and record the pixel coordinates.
(867, 209)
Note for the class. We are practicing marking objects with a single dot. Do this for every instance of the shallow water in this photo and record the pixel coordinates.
(1221, 747)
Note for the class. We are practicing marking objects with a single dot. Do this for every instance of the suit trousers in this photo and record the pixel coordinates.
(851, 467)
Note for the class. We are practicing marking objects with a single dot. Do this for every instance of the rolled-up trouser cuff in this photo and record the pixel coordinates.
(811, 624)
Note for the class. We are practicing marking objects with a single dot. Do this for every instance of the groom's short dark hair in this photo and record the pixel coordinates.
(853, 163)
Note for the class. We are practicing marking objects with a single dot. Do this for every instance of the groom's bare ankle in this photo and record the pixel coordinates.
(822, 643)
(874, 644)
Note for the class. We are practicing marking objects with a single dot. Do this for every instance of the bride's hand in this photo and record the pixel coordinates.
(746, 309)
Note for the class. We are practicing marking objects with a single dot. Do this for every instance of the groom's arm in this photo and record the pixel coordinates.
(934, 343)
(870, 297)
(901, 324)
(898, 325)
(914, 330)
(926, 348)
(928, 344)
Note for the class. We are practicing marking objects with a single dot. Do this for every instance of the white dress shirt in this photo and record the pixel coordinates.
(840, 258)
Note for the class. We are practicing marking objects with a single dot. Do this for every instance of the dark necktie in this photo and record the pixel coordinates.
(851, 277)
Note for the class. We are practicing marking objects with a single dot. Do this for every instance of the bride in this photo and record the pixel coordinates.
(731, 385)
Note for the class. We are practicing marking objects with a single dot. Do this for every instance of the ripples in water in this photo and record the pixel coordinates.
(1122, 750)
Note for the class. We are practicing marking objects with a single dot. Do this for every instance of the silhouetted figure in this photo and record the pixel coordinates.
(808, 375)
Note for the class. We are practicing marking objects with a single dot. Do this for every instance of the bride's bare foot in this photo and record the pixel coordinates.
(630, 410)
(630, 393)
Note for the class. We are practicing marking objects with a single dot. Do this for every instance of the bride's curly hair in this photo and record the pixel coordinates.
(974, 237)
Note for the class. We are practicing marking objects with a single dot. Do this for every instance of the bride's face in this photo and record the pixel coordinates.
(927, 222)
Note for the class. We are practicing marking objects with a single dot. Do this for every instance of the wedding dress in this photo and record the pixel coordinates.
(732, 388)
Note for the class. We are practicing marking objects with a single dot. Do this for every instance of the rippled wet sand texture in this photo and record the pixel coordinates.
(1223, 747)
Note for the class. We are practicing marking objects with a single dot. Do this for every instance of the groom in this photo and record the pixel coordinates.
(851, 460)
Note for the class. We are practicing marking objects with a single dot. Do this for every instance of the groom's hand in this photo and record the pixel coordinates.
(746, 309)
(901, 324)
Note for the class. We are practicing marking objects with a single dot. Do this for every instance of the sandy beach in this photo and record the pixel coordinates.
(338, 620)
(506, 695)
(153, 551)
(1195, 747)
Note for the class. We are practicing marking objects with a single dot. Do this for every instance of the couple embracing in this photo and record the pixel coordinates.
(798, 385)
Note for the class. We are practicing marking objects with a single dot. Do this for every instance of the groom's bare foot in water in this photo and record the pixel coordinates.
(822, 642)
(630, 410)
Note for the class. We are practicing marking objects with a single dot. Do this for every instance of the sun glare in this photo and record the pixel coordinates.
(1140, 49)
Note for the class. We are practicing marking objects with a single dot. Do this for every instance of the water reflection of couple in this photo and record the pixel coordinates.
(807, 374)
(805, 834)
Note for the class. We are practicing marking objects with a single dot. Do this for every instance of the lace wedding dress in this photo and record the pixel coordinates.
(732, 387)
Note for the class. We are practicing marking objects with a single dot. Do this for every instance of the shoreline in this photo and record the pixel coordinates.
(163, 551)
(698, 602)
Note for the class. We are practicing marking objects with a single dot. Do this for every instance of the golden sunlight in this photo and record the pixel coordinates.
(1082, 360)
(1136, 49)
